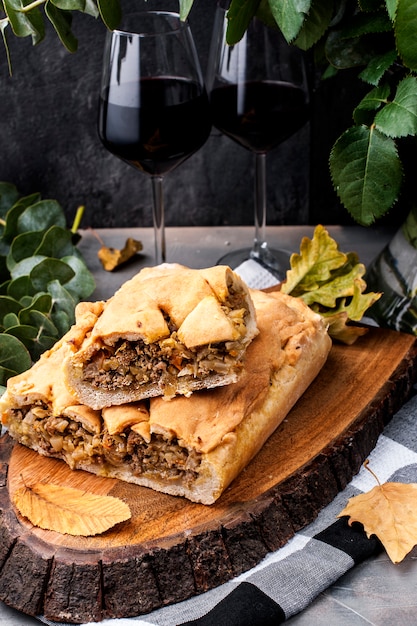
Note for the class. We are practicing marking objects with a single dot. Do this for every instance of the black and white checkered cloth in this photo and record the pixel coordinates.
(288, 580)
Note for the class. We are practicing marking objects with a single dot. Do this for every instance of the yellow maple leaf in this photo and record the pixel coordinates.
(68, 510)
(388, 511)
(331, 283)
(112, 258)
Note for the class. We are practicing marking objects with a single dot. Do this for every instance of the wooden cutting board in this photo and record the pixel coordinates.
(172, 549)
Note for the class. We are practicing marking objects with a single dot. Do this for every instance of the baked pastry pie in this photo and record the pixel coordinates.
(169, 330)
(188, 446)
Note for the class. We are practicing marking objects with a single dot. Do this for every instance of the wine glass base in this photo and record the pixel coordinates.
(237, 257)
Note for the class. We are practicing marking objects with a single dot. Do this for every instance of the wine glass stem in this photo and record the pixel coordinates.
(260, 204)
(158, 220)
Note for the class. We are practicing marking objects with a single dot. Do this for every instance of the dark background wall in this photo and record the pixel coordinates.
(49, 143)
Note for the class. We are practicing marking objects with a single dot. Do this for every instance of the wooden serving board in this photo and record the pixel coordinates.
(172, 549)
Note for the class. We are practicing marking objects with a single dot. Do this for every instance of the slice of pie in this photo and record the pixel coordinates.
(169, 330)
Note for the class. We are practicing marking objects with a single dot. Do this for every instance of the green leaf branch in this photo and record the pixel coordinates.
(27, 19)
(377, 39)
(43, 276)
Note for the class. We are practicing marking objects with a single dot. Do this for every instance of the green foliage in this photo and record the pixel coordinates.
(239, 16)
(42, 278)
(377, 38)
(366, 172)
(26, 18)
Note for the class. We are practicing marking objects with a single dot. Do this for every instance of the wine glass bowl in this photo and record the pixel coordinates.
(153, 106)
(258, 92)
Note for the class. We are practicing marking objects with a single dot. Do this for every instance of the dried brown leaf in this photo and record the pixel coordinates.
(69, 511)
(111, 258)
(388, 511)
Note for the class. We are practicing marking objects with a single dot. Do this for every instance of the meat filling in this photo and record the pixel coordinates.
(128, 364)
(67, 439)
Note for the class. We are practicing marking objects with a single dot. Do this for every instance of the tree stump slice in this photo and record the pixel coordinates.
(173, 549)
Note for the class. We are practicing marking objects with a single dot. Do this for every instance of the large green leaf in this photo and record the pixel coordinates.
(313, 28)
(405, 32)
(23, 246)
(26, 334)
(82, 284)
(25, 266)
(62, 22)
(13, 354)
(41, 216)
(290, 16)
(25, 24)
(239, 16)
(377, 67)
(110, 12)
(366, 173)
(399, 117)
(20, 287)
(50, 269)
(56, 242)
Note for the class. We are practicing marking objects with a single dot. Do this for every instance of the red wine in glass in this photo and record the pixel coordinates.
(259, 98)
(259, 115)
(153, 108)
(168, 123)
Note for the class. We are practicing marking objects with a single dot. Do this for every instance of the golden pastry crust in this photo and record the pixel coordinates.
(169, 330)
(192, 447)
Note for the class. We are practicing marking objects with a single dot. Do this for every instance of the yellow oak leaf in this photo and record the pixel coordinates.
(69, 511)
(388, 511)
(111, 258)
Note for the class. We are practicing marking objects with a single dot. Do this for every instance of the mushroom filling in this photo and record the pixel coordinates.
(58, 436)
(136, 363)
(64, 438)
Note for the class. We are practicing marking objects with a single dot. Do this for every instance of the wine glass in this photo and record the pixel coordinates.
(153, 108)
(259, 97)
